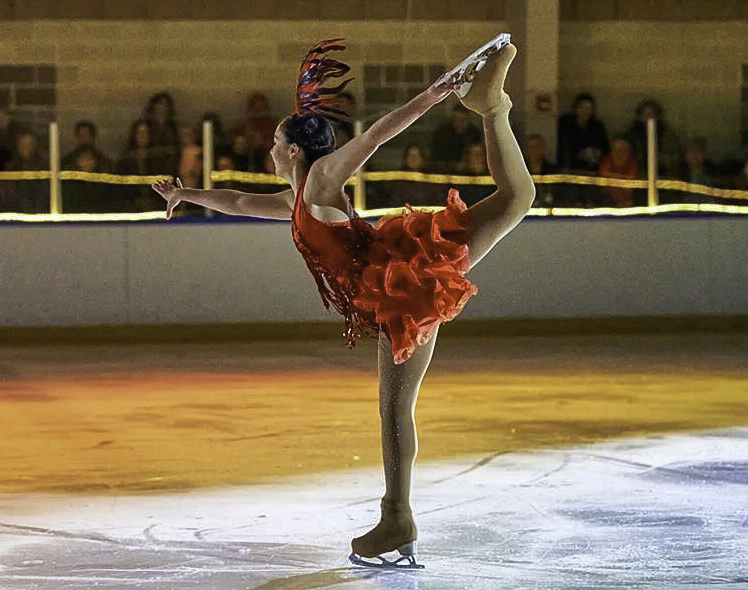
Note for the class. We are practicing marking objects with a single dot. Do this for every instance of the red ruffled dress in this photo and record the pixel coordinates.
(404, 276)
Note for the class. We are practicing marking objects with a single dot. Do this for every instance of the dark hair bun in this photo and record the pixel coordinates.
(312, 133)
(310, 125)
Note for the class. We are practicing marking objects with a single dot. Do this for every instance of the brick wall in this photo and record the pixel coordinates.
(646, 10)
(30, 92)
(430, 10)
(480, 10)
(106, 70)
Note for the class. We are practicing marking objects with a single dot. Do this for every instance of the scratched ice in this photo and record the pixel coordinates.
(662, 512)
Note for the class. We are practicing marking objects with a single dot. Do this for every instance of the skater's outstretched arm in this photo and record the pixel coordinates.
(231, 202)
(339, 166)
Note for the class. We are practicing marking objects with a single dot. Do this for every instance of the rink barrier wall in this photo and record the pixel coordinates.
(229, 271)
(332, 330)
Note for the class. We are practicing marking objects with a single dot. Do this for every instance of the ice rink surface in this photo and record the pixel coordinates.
(660, 512)
(597, 463)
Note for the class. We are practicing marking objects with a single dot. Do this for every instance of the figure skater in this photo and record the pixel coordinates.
(401, 277)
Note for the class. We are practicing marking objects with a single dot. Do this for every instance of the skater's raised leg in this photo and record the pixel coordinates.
(493, 217)
(398, 392)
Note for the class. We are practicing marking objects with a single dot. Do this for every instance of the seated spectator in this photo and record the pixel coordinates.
(620, 163)
(582, 137)
(413, 159)
(26, 196)
(85, 133)
(741, 179)
(258, 129)
(138, 159)
(451, 138)
(225, 162)
(411, 192)
(240, 154)
(668, 145)
(160, 114)
(698, 168)
(537, 162)
(474, 163)
(190, 169)
(80, 196)
(726, 172)
(8, 132)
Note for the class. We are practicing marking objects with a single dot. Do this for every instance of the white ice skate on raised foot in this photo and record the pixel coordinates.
(406, 561)
(474, 62)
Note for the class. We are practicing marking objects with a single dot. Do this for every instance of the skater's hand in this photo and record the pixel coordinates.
(169, 191)
(440, 90)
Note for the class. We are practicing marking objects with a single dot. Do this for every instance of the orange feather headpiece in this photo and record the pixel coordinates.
(315, 70)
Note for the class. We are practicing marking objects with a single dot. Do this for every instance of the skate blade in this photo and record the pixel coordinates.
(406, 561)
(474, 63)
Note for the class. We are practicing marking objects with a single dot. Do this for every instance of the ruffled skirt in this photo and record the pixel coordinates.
(415, 276)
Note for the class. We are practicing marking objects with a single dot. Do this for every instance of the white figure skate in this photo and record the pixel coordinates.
(407, 559)
(473, 63)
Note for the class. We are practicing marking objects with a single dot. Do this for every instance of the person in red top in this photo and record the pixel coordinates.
(620, 163)
(403, 276)
(257, 129)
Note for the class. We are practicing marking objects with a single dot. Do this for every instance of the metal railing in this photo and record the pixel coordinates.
(652, 184)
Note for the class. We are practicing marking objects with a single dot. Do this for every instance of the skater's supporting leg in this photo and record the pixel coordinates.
(398, 392)
(493, 217)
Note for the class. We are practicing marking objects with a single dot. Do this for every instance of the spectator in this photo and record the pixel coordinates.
(240, 154)
(411, 192)
(85, 133)
(620, 163)
(698, 168)
(137, 159)
(225, 162)
(536, 157)
(8, 132)
(741, 180)
(473, 163)
(258, 129)
(582, 138)
(26, 196)
(452, 137)
(190, 169)
(668, 146)
(538, 165)
(160, 113)
(413, 159)
(79, 196)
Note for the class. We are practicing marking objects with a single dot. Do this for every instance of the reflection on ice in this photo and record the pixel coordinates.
(665, 512)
